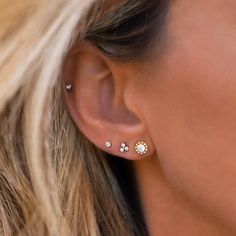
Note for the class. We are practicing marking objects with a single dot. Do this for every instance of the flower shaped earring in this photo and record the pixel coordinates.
(124, 147)
(141, 147)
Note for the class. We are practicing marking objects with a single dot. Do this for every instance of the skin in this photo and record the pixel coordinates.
(182, 103)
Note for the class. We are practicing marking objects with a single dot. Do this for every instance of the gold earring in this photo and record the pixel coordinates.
(141, 147)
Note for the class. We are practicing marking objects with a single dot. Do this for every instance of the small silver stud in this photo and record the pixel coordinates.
(108, 144)
(68, 87)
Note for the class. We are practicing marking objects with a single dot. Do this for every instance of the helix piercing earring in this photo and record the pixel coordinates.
(108, 144)
(68, 87)
(141, 147)
(124, 147)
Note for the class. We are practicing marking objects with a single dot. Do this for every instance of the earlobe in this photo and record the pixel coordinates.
(94, 91)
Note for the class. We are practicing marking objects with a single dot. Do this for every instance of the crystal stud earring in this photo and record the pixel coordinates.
(68, 87)
(108, 144)
(124, 147)
(141, 147)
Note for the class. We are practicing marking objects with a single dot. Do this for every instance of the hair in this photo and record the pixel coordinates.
(53, 180)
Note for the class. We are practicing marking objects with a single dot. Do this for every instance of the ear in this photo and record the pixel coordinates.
(100, 100)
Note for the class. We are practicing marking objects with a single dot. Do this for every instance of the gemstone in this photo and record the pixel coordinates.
(140, 148)
(123, 145)
(68, 87)
(108, 144)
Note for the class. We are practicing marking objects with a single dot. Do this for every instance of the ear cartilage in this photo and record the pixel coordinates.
(68, 87)
(141, 147)
(124, 147)
(108, 144)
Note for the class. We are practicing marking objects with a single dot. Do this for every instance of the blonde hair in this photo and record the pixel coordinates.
(53, 181)
(49, 172)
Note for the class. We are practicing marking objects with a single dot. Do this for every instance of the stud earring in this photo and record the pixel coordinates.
(68, 87)
(141, 147)
(108, 144)
(124, 147)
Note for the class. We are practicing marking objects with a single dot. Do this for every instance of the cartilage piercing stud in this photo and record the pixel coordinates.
(68, 87)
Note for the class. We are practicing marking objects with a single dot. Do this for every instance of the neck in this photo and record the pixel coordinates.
(166, 211)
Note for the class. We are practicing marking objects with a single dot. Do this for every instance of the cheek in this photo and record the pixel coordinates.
(192, 119)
